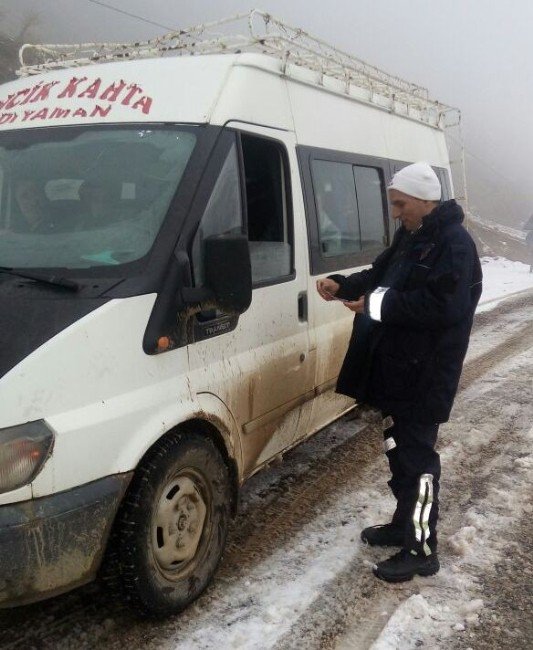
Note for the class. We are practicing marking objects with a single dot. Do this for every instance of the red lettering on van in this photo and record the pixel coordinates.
(13, 100)
(72, 87)
(144, 103)
(112, 92)
(40, 115)
(33, 91)
(100, 111)
(133, 90)
(59, 113)
(8, 118)
(44, 91)
(93, 90)
(77, 87)
(6, 101)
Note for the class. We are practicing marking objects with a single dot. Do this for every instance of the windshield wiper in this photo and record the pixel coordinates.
(41, 277)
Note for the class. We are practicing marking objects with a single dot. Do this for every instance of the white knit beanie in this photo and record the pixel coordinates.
(417, 180)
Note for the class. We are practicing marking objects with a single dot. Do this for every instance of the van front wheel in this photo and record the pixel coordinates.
(173, 524)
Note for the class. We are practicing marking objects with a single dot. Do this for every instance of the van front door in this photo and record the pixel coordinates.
(263, 370)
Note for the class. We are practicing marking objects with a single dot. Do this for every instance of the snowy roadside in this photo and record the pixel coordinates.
(506, 620)
(294, 595)
(481, 535)
(489, 538)
(444, 609)
(501, 279)
(499, 228)
(295, 574)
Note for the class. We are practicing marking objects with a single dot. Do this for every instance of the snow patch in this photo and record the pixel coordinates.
(514, 233)
(524, 463)
(463, 540)
(471, 610)
(502, 278)
(406, 627)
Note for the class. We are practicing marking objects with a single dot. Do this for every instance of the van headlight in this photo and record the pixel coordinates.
(23, 451)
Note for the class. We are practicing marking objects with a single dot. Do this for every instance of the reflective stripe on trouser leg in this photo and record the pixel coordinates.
(389, 444)
(422, 511)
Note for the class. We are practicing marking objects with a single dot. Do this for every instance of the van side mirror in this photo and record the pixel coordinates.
(228, 271)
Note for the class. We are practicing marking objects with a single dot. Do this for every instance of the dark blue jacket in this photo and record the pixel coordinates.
(409, 364)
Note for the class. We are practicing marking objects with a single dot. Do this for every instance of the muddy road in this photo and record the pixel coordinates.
(295, 574)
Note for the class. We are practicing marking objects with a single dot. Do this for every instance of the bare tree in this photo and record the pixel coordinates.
(11, 43)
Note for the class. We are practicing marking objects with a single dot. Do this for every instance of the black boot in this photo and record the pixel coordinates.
(405, 565)
(384, 535)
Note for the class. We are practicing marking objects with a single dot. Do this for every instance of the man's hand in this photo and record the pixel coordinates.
(358, 306)
(327, 288)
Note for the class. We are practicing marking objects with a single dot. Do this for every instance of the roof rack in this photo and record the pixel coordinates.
(264, 34)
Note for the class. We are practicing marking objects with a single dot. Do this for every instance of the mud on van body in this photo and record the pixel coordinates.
(163, 223)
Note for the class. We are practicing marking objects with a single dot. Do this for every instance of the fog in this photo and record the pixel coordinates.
(473, 54)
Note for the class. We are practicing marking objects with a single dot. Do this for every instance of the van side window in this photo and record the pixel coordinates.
(268, 209)
(223, 213)
(369, 188)
(336, 206)
(350, 207)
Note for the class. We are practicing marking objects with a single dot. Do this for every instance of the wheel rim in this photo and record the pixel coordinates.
(179, 520)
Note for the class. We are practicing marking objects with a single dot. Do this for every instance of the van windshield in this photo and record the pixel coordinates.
(78, 198)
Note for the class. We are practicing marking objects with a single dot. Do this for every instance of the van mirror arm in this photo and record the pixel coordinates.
(191, 295)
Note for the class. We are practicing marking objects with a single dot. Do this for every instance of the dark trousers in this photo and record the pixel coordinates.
(415, 468)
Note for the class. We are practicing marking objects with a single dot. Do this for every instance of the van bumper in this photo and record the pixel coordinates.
(55, 543)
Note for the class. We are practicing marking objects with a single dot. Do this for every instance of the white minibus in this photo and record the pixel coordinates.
(163, 222)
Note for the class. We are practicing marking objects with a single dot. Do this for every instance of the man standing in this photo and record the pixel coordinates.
(414, 311)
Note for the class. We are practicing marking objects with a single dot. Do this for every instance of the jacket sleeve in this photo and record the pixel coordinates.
(355, 285)
(445, 298)
(358, 284)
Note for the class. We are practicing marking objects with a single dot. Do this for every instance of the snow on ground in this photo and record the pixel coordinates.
(452, 605)
(513, 233)
(259, 609)
(266, 604)
(478, 533)
(314, 585)
(502, 278)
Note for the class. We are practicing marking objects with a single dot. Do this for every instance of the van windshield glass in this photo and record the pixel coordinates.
(75, 198)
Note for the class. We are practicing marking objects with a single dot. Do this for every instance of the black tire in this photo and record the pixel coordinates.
(162, 520)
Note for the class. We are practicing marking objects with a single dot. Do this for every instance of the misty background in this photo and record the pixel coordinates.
(473, 54)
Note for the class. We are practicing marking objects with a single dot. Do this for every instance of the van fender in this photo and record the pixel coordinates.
(205, 407)
(215, 411)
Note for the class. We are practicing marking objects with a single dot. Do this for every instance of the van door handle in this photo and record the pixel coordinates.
(302, 306)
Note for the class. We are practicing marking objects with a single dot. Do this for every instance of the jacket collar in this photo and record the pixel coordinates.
(445, 214)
